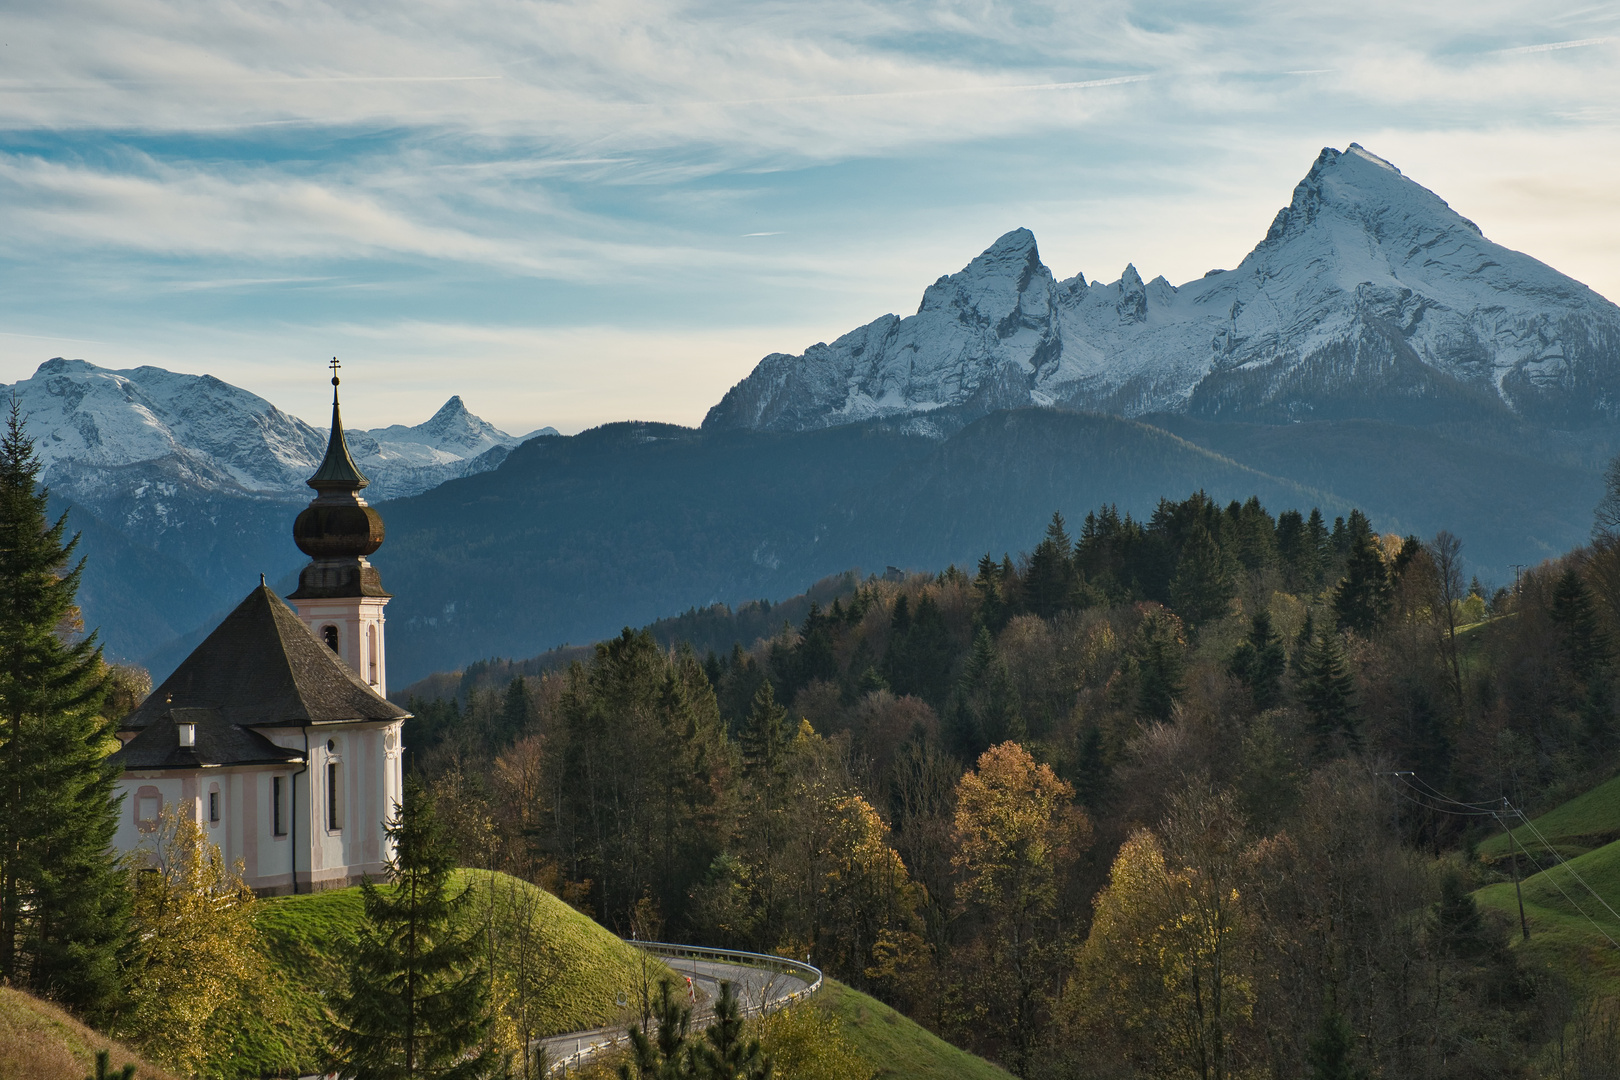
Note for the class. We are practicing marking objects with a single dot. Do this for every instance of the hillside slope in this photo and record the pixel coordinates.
(898, 1048)
(38, 1041)
(585, 966)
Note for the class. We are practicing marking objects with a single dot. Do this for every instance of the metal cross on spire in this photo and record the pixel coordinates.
(334, 365)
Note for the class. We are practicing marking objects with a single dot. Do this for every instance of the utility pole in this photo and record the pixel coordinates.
(1517, 568)
(1524, 924)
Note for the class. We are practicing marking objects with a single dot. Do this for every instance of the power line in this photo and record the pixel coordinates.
(1473, 810)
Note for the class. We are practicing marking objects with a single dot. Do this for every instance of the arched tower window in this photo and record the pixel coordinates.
(371, 655)
(329, 634)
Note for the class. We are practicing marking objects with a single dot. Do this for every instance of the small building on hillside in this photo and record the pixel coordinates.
(275, 734)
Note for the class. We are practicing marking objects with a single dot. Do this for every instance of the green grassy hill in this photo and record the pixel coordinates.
(1561, 936)
(898, 1048)
(586, 967)
(38, 1041)
(1582, 824)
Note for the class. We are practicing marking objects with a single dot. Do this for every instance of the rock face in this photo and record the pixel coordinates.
(1368, 297)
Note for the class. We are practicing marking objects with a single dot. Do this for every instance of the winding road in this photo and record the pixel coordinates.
(762, 984)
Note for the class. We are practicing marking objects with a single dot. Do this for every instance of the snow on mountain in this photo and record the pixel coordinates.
(104, 434)
(1369, 296)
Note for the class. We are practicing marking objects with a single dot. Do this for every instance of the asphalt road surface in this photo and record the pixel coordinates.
(755, 987)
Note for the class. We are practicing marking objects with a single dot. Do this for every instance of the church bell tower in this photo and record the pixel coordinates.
(340, 595)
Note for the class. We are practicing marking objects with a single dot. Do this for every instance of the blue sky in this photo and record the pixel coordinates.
(571, 213)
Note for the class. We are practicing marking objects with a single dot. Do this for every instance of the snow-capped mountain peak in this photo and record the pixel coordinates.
(1368, 296)
(107, 437)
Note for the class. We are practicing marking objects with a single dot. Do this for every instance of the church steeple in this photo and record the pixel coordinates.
(338, 472)
(340, 595)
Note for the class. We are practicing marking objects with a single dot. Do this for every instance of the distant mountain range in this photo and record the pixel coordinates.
(183, 485)
(1374, 350)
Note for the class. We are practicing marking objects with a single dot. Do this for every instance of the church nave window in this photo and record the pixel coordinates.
(334, 795)
(278, 805)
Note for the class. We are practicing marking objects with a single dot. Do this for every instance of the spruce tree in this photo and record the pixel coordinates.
(1326, 689)
(1259, 662)
(1202, 587)
(1157, 657)
(417, 1001)
(1049, 584)
(765, 735)
(64, 901)
(1329, 1055)
(670, 1056)
(1585, 643)
(725, 1054)
(1363, 596)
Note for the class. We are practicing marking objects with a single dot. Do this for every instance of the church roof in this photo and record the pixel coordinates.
(261, 667)
(216, 743)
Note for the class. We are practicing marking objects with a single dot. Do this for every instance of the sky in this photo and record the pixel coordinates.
(575, 213)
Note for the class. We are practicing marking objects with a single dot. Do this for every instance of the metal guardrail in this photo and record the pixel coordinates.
(590, 1043)
(809, 974)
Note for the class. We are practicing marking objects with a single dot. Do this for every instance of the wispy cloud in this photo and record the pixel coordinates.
(176, 164)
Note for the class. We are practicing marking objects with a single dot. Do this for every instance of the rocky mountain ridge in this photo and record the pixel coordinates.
(1368, 297)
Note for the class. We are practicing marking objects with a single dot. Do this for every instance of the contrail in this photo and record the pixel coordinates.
(1581, 44)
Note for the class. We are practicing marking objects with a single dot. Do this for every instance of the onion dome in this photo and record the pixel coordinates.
(338, 524)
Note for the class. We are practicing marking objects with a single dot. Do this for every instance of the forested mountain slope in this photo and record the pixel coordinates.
(573, 538)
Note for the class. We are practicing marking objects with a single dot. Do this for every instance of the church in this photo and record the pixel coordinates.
(276, 734)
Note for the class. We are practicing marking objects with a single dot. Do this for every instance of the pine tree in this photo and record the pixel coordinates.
(64, 903)
(1259, 662)
(417, 1001)
(725, 1054)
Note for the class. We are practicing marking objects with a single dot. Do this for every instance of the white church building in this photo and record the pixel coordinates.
(276, 734)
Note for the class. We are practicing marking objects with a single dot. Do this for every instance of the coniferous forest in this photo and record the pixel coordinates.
(1190, 796)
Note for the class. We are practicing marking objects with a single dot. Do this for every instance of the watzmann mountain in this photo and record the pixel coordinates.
(1368, 297)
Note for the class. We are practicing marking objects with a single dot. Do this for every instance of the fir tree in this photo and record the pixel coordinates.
(417, 1001)
(1319, 543)
(64, 903)
(1259, 662)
